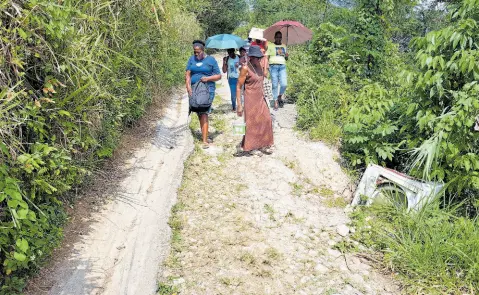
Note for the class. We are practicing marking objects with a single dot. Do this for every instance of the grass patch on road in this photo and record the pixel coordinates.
(219, 124)
(194, 123)
(248, 258)
(166, 289)
(176, 224)
(336, 202)
(273, 254)
(218, 101)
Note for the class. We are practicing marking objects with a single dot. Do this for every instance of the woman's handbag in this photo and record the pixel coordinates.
(268, 91)
(200, 98)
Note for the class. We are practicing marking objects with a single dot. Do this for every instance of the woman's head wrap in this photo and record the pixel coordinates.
(199, 43)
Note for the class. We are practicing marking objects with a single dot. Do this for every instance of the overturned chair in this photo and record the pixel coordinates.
(380, 184)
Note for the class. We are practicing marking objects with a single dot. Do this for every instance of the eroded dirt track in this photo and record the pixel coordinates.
(128, 238)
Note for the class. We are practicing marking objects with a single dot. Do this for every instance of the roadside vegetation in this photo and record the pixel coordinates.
(73, 75)
(433, 251)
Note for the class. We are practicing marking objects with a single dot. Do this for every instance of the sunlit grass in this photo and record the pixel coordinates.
(434, 251)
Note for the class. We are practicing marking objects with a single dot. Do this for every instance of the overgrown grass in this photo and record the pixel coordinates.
(434, 251)
(176, 223)
(322, 96)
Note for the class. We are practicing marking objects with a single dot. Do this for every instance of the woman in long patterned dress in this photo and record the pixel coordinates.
(259, 127)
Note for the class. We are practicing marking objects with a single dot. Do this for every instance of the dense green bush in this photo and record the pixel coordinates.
(432, 112)
(444, 104)
(323, 78)
(413, 114)
(72, 75)
(371, 131)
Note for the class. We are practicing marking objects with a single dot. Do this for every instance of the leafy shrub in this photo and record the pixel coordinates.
(444, 105)
(423, 126)
(319, 83)
(426, 122)
(370, 134)
(73, 74)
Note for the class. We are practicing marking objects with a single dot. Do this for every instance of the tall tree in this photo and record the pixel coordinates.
(372, 31)
(309, 12)
(220, 16)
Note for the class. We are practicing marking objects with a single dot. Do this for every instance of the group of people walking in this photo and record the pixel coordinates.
(247, 75)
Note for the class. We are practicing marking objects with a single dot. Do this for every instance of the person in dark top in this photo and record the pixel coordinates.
(204, 68)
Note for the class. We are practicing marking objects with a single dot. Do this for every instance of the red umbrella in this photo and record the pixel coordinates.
(294, 32)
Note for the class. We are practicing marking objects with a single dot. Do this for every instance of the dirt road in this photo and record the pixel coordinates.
(249, 224)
